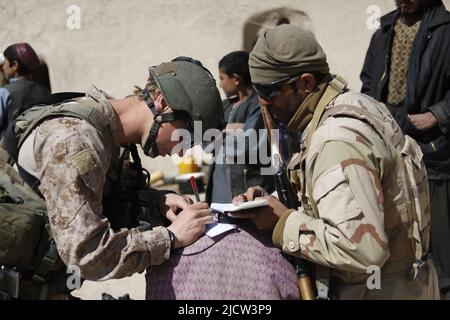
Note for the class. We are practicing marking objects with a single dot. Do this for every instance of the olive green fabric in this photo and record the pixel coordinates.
(189, 88)
(22, 226)
(305, 112)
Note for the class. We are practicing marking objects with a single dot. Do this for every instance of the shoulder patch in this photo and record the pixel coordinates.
(84, 161)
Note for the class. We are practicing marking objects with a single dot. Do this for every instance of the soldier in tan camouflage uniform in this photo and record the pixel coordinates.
(70, 158)
(353, 217)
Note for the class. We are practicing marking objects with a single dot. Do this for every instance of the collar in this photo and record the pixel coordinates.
(305, 111)
(15, 79)
(439, 16)
(389, 19)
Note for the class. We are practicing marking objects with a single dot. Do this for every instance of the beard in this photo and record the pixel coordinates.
(413, 7)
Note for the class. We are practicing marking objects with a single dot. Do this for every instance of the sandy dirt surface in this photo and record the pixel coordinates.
(134, 286)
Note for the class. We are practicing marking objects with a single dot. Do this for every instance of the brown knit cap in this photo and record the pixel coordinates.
(286, 50)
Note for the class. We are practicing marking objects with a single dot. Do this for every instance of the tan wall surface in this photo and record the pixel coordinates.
(119, 39)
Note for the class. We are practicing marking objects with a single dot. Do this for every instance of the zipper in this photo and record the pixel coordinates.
(433, 146)
(387, 58)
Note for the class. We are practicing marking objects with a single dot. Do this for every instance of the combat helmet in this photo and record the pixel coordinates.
(189, 89)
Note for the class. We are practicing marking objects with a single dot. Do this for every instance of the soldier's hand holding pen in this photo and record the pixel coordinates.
(190, 224)
(265, 218)
(172, 204)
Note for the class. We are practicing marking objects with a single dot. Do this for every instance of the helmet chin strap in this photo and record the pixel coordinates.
(150, 147)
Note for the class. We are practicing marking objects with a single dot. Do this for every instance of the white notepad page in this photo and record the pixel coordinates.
(229, 207)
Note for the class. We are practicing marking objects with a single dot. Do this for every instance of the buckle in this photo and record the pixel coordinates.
(416, 267)
(38, 279)
(338, 83)
(12, 281)
(420, 264)
(322, 289)
(50, 260)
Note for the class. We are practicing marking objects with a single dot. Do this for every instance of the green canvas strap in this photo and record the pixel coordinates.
(5, 164)
(78, 108)
(336, 86)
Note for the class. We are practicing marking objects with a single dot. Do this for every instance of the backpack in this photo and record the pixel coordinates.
(25, 245)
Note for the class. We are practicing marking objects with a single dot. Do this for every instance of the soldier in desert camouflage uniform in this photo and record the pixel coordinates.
(354, 202)
(71, 159)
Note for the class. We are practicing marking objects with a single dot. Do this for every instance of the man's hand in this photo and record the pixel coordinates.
(250, 195)
(265, 218)
(190, 224)
(423, 121)
(172, 203)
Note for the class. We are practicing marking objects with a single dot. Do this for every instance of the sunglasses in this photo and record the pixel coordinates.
(270, 91)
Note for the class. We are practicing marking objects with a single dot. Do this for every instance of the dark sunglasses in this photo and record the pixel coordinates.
(269, 91)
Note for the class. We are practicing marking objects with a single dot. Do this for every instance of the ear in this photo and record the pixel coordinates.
(237, 79)
(160, 103)
(14, 65)
(306, 82)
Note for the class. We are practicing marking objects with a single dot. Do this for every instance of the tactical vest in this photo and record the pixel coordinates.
(406, 212)
(26, 247)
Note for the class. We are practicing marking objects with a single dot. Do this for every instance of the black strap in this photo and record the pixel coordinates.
(150, 144)
(135, 155)
(51, 99)
(158, 119)
(57, 98)
(149, 102)
(30, 180)
(137, 163)
(48, 264)
(167, 117)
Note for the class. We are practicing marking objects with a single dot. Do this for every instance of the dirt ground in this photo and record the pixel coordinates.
(134, 286)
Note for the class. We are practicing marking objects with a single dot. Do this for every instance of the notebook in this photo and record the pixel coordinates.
(229, 207)
(215, 229)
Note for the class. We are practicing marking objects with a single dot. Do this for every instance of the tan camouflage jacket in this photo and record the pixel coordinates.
(348, 231)
(71, 160)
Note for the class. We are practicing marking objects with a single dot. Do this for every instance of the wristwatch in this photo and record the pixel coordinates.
(172, 239)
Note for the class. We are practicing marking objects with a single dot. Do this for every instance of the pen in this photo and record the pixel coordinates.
(194, 188)
(197, 197)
